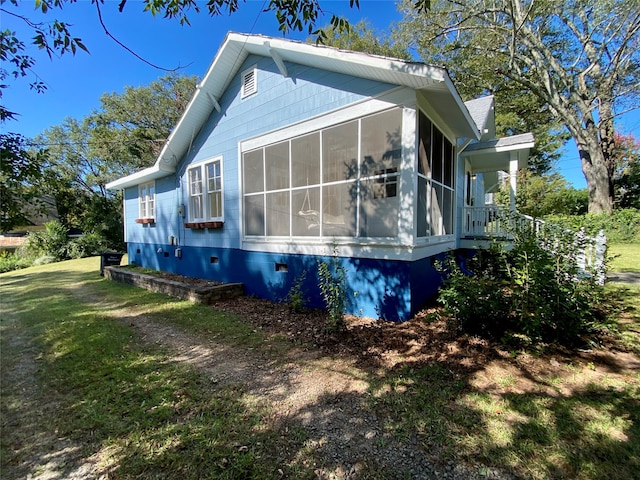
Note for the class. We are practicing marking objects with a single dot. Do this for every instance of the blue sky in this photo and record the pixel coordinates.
(75, 83)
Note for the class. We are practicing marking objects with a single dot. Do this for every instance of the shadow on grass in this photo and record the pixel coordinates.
(151, 417)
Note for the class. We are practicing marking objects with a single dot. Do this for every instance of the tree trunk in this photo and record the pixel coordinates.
(596, 172)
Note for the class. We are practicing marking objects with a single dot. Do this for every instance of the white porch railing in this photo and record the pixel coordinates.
(492, 222)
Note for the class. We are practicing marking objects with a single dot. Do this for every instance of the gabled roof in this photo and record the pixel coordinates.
(237, 47)
(480, 110)
(497, 145)
(497, 154)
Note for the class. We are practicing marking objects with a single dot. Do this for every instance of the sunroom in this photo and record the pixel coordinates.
(357, 182)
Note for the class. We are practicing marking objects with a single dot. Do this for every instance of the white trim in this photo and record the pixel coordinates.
(395, 98)
(124, 216)
(201, 165)
(148, 199)
(281, 136)
(158, 170)
(349, 248)
(408, 177)
(277, 58)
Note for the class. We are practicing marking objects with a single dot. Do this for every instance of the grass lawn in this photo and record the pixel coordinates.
(77, 374)
(625, 257)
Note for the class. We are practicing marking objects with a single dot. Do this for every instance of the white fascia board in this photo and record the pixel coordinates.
(463, 108)
(158, 170)
(376, 249)
(498, 149)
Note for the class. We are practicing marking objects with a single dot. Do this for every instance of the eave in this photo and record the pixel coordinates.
(237, 47)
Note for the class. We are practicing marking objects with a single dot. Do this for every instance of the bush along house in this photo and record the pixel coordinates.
(291, 154)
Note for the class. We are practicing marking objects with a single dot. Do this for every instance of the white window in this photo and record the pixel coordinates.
(205, 191)
(249, 82)
(147, 195)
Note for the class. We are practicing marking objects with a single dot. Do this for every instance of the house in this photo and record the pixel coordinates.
(36, 213)
(290, 154)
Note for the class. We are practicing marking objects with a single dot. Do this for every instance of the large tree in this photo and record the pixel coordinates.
(20, 177)
(579, 58)
(125, 134)
(626, 179)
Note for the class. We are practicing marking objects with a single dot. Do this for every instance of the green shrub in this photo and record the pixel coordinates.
(620, 227)
(333, 287)
(296, 298)
(473, 294)
(88, 245)
(12, 261)
(52, 242)
(534, 290)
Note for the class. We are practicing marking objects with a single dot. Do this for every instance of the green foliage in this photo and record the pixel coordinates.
(548, 194)
(531, 55)
(476, 303)
(626, 178)
(53, 245)
(128, 131)
(52, 242)
(622, 226)
(362, 38)
(123, 136)
(333, 287)
(20, 175)
(534, 290)
(11, 261)
(88, 245)
(296, 297)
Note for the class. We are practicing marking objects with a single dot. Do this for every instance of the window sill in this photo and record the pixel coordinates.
(145, 221)
(203, 225)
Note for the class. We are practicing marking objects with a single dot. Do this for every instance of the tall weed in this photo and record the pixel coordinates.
(333, 287)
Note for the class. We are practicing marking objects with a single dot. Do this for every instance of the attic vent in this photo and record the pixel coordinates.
(249, 83)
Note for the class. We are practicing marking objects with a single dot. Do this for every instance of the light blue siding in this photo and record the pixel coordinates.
(390, 289)
(279, 102)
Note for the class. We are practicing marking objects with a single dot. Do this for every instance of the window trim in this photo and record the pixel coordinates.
(432, 184)
(388, 176)
(146, 204)
(206, 217)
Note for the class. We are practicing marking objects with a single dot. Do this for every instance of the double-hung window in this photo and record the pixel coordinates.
(205, 191)
(147, 196)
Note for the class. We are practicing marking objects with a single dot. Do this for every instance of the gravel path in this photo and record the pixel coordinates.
(327, 397)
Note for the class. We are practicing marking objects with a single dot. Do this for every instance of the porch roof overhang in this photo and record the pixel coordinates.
(496, 155)
(237, 47)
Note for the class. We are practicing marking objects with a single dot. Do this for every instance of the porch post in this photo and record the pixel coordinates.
(513, 176)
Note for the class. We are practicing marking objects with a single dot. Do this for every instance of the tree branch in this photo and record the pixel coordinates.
(108, 33)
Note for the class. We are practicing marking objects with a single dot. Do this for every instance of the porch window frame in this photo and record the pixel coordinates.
(433, 186)
(388, 177)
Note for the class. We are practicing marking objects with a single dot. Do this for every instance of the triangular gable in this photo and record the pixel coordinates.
(482, 110)
(237, 47)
